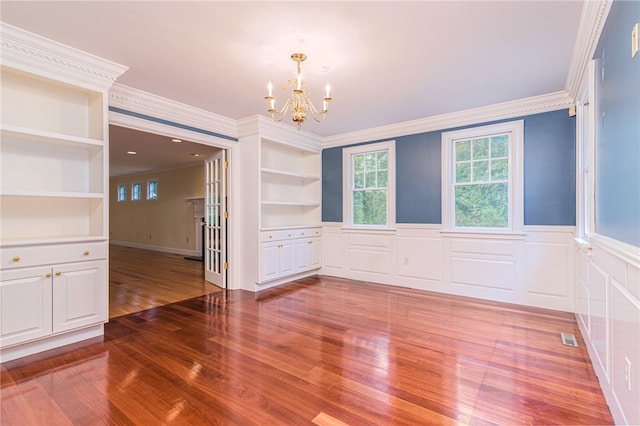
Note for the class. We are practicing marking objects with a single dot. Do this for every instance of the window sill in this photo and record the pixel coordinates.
(355, 229)
(484, 234)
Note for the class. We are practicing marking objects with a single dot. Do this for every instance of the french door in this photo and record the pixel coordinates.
(215, 256)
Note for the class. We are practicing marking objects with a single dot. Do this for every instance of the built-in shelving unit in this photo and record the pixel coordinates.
(281, 170)
(290, 185)
(53, 193)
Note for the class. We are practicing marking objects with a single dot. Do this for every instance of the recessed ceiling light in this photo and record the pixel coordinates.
(195, 155)
(176, 140)
(131, 152)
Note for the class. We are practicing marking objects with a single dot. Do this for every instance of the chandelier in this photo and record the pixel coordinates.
(299, 102)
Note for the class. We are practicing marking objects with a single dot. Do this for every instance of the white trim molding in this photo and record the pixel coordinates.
(512, 109)
(32, 53)
(280, 132)
(594, 15)
(158, 107)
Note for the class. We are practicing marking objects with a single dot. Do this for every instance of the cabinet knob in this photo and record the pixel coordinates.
(310, 242)
(279, 245)
(48, 275)
(289, 235)
(303, 233)
(16, 258)
(269, 236)
(58, 273)
(86, 252)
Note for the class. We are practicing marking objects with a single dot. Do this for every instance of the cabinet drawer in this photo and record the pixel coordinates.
(20, 257)
(288, 234)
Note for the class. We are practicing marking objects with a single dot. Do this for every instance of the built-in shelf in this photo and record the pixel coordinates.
(291, 174)
(43, 136)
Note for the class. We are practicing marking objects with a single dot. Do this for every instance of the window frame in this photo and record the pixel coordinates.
(347, 179)
(122, 193)
(149, 181)
(515, 215)
(133, 191)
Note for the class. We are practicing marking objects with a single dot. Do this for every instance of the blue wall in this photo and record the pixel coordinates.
(549, 174)
(617, 174)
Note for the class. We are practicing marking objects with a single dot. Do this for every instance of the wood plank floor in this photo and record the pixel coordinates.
(142, 279)
(321, 351)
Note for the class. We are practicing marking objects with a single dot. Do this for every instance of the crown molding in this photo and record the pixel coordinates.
(528, 106)
(594, 15)
(278, 132)
(140, 102)
(35, 54)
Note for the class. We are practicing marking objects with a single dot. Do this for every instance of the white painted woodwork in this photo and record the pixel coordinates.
(25, 303)
(80, 295)
(533, 268)
(608, 314)
(287, 252)
(281, 171)
(53, 193)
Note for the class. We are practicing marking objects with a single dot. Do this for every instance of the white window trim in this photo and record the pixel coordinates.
(516, 189)
(133, 192)
(585, 155)
(347, 176)
(157, 188)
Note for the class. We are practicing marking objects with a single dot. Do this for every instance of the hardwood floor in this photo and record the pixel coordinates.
(321, 351)
(142, 279)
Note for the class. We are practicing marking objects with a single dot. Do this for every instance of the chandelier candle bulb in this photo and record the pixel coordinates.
(270, 87)
(328, 88)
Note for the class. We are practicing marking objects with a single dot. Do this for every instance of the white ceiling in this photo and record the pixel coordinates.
(387, 62)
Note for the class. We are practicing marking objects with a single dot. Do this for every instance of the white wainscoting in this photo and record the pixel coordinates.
(608, 314)
(534, 268)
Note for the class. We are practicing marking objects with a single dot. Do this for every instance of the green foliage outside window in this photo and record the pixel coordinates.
(482, 182)
(369, 186)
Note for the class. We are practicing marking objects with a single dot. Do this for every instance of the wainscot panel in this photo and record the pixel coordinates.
(545, 269)
(607, 279)
(494, 266)
(483, 273)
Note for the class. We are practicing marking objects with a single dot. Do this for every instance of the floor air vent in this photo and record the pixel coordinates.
(569, 339)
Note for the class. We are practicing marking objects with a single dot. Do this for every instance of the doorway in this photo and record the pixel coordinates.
(160, 231)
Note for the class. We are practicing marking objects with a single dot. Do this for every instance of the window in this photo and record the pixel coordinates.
(369, 185)
(122, 192)
(482, 188)
(135, 191)
(152, 189)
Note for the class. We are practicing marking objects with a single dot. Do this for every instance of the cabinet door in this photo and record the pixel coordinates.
(268, 261)
(80, 295)
(302, 254)
(25, 305)
(286, 258)
(315, 253)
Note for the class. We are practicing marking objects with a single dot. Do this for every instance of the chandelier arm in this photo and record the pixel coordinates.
(315, 113)
(282, 112)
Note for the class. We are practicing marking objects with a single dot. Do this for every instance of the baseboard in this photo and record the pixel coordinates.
(173, 250)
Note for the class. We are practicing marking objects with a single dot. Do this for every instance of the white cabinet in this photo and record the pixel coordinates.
(288, 252)
(25, 304)
(277, 259)
(53, 193)
(40, 302)
(80, 295)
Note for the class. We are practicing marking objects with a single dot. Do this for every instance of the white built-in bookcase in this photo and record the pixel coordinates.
(53, 160)
(53, 193)
(290, 182)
